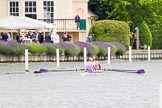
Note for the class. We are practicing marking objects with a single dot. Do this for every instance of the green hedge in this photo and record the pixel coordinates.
(36, 48)
(50, 49)
(156, 36)
(111, 30)
(70, 49)
(11, 48)
(145, 35)
(92, 50)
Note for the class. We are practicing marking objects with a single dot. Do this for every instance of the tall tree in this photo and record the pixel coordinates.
(133, 12)
(101, 7)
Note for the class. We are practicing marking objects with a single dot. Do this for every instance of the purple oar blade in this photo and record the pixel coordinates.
(37, 72)
(43, 70)
(140, 71)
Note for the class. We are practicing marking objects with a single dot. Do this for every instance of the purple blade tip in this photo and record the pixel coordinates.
(37, 72)
(43, 70)
(140, 71)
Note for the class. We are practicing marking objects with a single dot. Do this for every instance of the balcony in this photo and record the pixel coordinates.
(66, 24)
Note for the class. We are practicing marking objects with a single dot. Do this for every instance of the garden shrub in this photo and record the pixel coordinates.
(119, 52)
(16, 48)
(92, 50)
(68, 52)
(120, 48)
(105, 45)
(145, 35)
(111, 30)
(96, 48)
(69, 49)
(36, 48)
(5, 50)
(50, 48)
(81, 54)
(102, 52)
(156, 32)
(11, 48)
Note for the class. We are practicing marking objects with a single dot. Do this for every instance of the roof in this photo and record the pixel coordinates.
(16, 22)
(91, 14)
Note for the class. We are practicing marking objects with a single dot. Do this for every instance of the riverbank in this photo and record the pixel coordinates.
(136, 54)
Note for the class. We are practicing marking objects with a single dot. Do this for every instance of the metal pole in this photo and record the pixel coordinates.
(85, 56)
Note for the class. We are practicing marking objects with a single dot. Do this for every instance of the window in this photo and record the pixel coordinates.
(48, 10)
(31, 9)
(14, 8)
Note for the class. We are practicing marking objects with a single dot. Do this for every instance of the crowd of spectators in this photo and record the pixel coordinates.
(38, 37)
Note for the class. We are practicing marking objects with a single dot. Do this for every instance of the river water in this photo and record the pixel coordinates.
(73, 89)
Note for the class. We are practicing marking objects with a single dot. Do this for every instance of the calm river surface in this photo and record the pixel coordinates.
(73, 89)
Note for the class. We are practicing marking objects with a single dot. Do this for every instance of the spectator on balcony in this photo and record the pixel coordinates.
(77, 21)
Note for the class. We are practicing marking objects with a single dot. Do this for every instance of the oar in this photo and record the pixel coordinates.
(55, 70)
(140, 71)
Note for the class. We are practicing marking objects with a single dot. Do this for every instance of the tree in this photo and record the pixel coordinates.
(134, 12)
(145, 35)
(101, 7)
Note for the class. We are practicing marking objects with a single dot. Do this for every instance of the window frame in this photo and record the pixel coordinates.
(13, 13)
(29, 9)
(50, 11)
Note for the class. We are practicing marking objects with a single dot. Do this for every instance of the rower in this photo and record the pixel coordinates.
(89, 67)
(96, 64)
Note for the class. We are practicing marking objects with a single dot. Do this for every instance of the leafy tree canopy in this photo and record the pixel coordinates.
(134, 12)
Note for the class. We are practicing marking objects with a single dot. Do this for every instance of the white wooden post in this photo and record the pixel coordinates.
(108, 55)
(148, 53)
(160, 96)
(85, 56)
(58, 58)
(130, 54)
(137, 34)
(26, 60)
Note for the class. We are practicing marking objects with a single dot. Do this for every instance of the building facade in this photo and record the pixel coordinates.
(61, 13)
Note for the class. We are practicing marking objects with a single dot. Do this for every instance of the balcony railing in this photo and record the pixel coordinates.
(66, 24)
